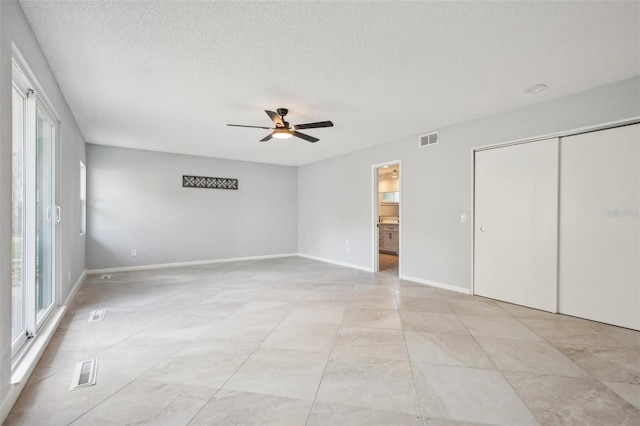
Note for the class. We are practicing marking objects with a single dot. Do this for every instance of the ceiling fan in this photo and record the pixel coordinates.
(284, 130)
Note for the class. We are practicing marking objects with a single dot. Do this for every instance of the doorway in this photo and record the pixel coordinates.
(386, 218)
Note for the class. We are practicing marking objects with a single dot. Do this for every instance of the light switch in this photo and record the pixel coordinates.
(463, 218)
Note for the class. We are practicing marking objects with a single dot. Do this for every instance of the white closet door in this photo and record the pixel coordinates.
(516, 217)
(599, 230)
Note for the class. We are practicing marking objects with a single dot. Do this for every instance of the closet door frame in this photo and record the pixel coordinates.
(571, 132)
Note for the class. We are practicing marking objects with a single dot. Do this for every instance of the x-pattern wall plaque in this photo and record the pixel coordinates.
(209, 182)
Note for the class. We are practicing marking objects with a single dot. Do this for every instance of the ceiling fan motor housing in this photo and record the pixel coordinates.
(282, 112)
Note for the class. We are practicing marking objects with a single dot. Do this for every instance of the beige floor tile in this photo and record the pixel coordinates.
(469, 394)
(448, 422)
(372, 297)
(577, 331)
(605, 363)
(144, 350)
(448, 349)
(568, 400)
(423, 304)
(293, 374)
(529, 356)
(204, 368)
(432, 322)
(497, 327)
(50, 402)
(317, 312)
(147, 401)
(347, 415)
(242, 408)
(382, 384)
(302, 336)
(373, 318)
(477, 307)
(628, 392)
(370, 342)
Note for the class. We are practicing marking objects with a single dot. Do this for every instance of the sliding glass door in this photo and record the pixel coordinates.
(34, 210)
(46, 212)
(18, 288)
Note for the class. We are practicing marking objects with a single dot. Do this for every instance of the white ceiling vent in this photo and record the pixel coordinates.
(429, 139)
(85, 374)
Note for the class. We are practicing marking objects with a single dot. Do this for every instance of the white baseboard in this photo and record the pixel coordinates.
(335, 262)
(72, 294)
(437, 284)
(189, 263)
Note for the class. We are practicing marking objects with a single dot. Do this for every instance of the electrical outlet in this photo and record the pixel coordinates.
(134, 252)
(347, 250)
(346, 243)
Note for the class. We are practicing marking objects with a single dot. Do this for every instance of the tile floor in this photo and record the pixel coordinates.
(388, 264)
(293, 341)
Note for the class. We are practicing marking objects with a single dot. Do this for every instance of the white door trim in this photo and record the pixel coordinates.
(374, 215)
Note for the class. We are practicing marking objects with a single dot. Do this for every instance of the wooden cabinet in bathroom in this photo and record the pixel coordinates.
(388, 238)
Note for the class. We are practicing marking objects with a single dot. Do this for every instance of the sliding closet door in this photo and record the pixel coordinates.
(599, 229)
(516, 216)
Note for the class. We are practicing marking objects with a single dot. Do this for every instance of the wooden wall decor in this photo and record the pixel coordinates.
(209, 182)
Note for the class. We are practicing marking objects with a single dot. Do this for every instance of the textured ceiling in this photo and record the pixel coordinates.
(168, 76)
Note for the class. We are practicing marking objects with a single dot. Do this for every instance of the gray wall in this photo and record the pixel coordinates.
(335, 195)
(14, 28)
(136, 201)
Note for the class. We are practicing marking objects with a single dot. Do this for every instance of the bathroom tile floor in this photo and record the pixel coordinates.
(293, 341)
(388, 264)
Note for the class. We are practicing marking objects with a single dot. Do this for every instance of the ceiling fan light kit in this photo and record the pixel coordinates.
(281, 134)
(283, 130)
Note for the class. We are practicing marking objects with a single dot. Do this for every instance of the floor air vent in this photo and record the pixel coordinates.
(97, 315)
(429, 139)
(106, 277)
(85, 374)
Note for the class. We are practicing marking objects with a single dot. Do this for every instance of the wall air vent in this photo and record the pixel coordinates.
(85, 374)
(429, 139)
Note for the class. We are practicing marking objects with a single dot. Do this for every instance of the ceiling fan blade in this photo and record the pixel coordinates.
(313, 125)
(255, 127)
(277, 120)
(305, 137)
(266, 138)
